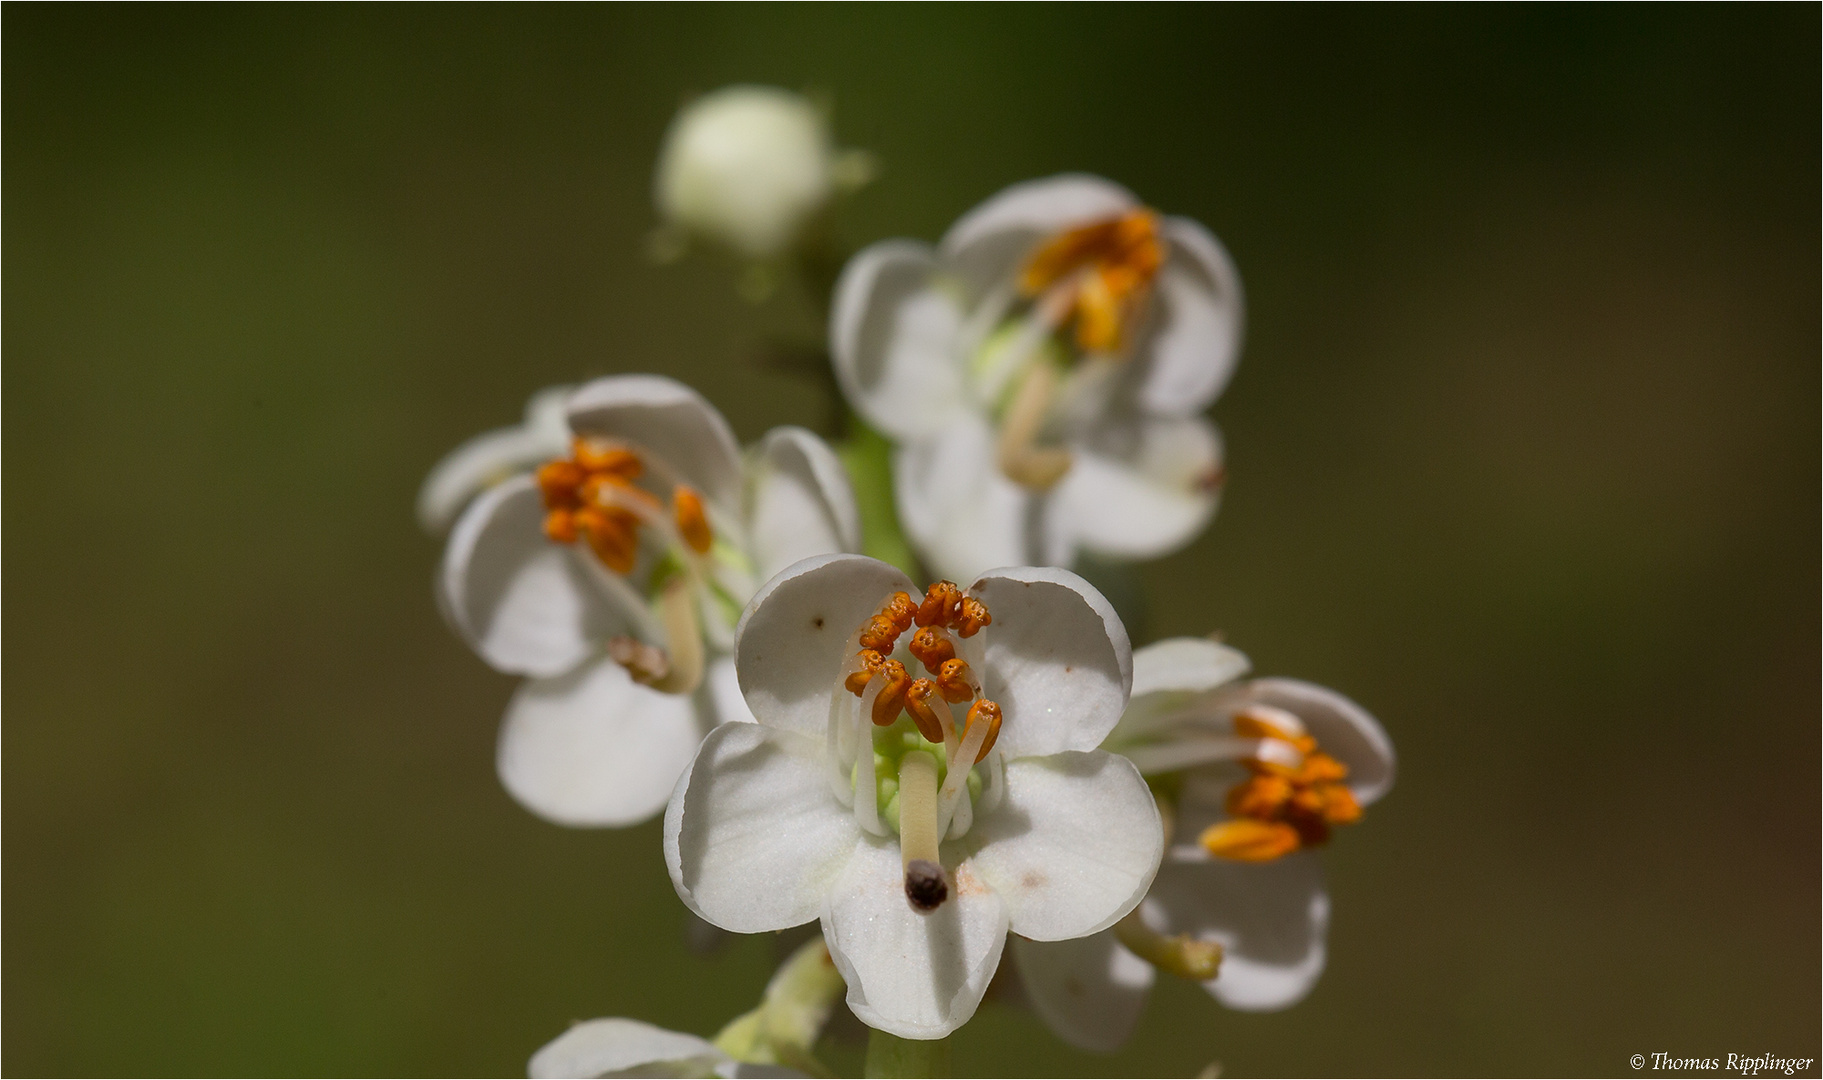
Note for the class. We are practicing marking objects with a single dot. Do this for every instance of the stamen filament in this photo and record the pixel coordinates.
(866, 783)
(956, 782)
(926, 885)
(1208, 749)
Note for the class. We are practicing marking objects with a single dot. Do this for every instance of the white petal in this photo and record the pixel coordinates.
(1342, 729)
(493, 456)
(1057, 660)
(1185, 665)
(1193, 333)
(667, 419)
(1073, 847)
(593, 747)
(1272, 920)
(913, 975)
(525, 604)
(615, 1046)
(893, 336)
(1142, 488)
(960, 512)
(790, 645)
(799, 502)
(753, 837)
(986, 245)
(1089, 991)
(724, 689)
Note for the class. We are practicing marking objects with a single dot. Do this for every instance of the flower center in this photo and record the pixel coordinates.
(1290, 801)
(1093, 282)
(593, 496)
(918, 777)
(1107, 269)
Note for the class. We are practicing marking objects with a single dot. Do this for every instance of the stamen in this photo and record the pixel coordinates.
(1112, 264)
(1179, 954)
(956, 681)
(926, 884)
(888, 691)
(866, 782)
(919, 699)
(692, 523)
(971, 616)
(939, 604)
(982, 727)
(1190, 752)
(1020, 457)
(646, 663)
(1247, 840)
(932, 647)
(985, 715)
(865, 663)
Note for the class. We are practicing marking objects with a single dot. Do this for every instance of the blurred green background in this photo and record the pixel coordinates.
(1523, 456)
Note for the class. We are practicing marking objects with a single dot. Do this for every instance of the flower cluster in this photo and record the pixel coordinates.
(928, 769)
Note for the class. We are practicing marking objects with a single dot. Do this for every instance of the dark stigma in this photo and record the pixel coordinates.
(925, 885)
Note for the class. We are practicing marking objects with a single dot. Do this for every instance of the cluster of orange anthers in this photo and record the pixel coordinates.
(944, 608)
(593, 495)
(1113, 263)
(1281, 808)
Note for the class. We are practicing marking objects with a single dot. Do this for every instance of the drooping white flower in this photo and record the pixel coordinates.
(494, 456)
(613, 579)
(919, 843)
(1043, 371)
(617, 1046)
(1256, 773)
(749, 167)
(766, 1041)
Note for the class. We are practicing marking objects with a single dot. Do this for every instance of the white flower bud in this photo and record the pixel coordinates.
(749, 167)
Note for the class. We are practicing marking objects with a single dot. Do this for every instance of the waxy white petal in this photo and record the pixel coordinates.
(1272, 920)
(1073, 848)
(1192, 336)
(1343, 729)
(525, 604)
(989, 243)
(1057, 660)
(790, 645)
(753, 837)
(668, 419)
(1089, 991)
(893, 336)
(799, 502)
(1190, 665)
(723, 686)
(493, 456)
(615, 1046)
(917, 976)
(961, 513)
(1142, 488)
(594, 748)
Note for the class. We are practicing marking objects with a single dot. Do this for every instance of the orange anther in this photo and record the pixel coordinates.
(891, 699)
(917, 702)
(984, 712)
(932, 647)
(1247, 840)
(880, 633)
(1113, 262)
(954, 681)
(1259, 797)
(1320, 768)
(857, 680)
(1255, 725)
(1339, 805)
(557, 482)
(901, 610)
(609, 489)
(560, 526)
(599, 457)
(971, 615)
(612, 537)
(939, 604)
(687, 507)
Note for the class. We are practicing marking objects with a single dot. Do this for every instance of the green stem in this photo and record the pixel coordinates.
(889, 1055)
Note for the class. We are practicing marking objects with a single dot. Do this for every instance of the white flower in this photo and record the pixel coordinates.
(614, 577)
(1263, 770)
(616, 1046)
(493, 456)
(1043, 371)
(818, 811)
(749, 167)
